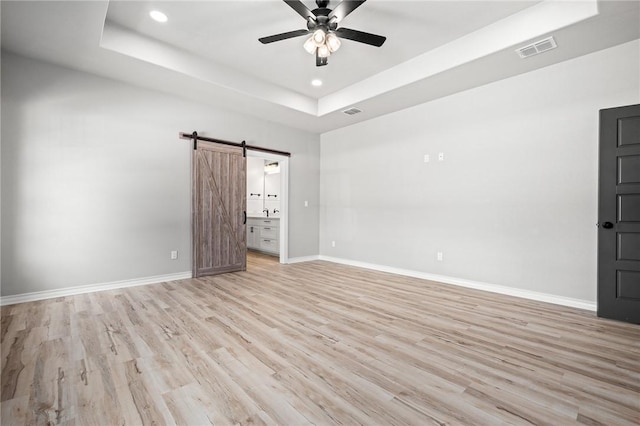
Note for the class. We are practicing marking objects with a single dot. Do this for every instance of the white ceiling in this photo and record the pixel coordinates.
(220, 30)
(208, 50)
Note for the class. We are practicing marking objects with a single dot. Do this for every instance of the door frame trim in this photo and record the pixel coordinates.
(283, 161)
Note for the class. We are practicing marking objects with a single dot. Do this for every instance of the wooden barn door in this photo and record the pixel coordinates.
(219, 209)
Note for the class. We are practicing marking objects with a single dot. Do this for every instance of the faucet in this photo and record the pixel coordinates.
(276, 211)
(266, 211)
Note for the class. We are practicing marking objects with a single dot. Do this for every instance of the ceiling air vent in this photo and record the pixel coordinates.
(537, 47)
(352, 111)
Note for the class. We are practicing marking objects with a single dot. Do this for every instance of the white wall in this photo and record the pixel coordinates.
(255, 185)
(96, 183)
(514, 202)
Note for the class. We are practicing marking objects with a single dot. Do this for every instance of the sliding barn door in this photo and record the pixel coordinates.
(219, 198)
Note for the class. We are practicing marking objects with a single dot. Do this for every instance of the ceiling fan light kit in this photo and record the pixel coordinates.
(323, 51)
(322, 24)
(325, 45)
(310, 46)
(333, 42)
(319, 37)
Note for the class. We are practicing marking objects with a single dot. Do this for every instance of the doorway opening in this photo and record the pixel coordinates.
(268, 203)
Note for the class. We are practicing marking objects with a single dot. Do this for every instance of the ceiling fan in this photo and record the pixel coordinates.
(322, 24)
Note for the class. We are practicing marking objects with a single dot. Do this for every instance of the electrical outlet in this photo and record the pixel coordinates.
(174, 254)
(333, 243)
(426, 158)
(439, 256)
(441, 156)
(306, 204)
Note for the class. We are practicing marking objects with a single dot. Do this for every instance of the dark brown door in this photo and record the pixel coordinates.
(219, 198)
(619, 214)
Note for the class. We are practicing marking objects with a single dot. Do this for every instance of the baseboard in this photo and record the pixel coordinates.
(303, 259)
(70, 291)
(494, 288)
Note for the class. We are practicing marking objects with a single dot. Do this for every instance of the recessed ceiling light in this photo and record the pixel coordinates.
(316, 82)
(158, 16)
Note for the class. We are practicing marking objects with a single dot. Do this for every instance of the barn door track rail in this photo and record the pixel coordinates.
(195, 138)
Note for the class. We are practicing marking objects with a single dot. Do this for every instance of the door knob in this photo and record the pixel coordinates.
(607, 225)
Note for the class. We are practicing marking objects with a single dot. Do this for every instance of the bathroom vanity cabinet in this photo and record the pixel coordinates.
(263, 234)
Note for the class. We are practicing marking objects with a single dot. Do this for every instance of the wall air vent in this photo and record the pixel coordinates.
(352, 111)
(537, 47)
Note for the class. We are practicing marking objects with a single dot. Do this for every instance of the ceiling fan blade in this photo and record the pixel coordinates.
(362, 37)
(283, 36)
(321, 61)
(302, 10)
(344, 8)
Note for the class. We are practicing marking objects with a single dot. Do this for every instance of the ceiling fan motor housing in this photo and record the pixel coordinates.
(322, 20)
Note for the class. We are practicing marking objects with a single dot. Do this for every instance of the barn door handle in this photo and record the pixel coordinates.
(607, 225)
(244, 222)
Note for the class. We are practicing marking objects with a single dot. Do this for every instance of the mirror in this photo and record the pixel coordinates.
(263, 187)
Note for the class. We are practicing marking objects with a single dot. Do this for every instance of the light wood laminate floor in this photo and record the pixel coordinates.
(314, 343)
